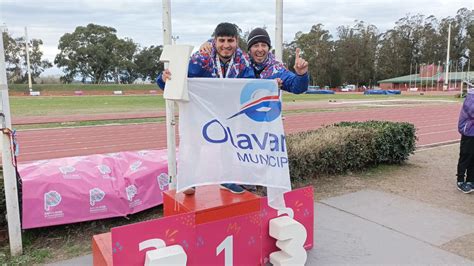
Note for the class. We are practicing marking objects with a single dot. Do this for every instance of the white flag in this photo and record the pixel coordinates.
(231, 132)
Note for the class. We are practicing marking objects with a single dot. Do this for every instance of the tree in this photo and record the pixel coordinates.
(93, 52)
(37, 65)
(12, 58)
(431, 42)
(463, 40)
(401, 47)
(355, 53)
(15, 58)
(125, 54)
(148, 62)
(391, 54)
(470, 45)
(242, 41)
(317, 49)
(289, 54)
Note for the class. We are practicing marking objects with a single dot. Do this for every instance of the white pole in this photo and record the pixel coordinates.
(9, 173)
(421, 78)
(460, 85)
(170, 105)
(279, 31)
(27, 44)
(416, 75)
(427, 80)
(456, 75)
(409, 86)
(437, 75)
(445, 87)
(449, 70)
(468, 70)
(432, 75)
(455, 67)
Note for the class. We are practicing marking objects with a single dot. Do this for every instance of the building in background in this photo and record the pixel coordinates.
(429, 78)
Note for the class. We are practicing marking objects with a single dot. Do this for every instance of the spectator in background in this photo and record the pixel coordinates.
(465, 171)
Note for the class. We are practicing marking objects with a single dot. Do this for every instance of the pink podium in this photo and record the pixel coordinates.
(204, 224)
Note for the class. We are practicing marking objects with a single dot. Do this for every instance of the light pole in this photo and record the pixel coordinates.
(174, 38)
(445, 87)
(409, 86)
(27, 44)
(170, 105)
(279, 31)
(438, 74)
(416, 75)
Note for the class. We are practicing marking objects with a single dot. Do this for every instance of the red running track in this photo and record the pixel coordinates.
(34, 120)
(435, 124)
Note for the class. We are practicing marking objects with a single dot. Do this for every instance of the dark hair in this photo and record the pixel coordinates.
(226, 29)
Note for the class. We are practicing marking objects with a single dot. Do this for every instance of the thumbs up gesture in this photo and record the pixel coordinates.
(301, 66)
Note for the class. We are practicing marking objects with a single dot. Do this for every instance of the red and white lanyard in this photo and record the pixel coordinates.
(219, 67)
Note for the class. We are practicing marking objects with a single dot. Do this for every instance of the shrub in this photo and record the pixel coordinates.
(349, 146)
(329, 150)
(394, 141)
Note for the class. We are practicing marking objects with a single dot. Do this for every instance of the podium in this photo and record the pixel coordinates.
(210, 221)
(210, 203)
(102, 249)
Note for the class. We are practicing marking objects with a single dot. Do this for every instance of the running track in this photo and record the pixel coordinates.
(436, 124)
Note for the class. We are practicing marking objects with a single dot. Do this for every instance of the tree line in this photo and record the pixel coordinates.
(359, 54)
(362, 55)
(92, 53)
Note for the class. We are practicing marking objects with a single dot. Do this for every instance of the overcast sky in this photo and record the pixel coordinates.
(194, 21)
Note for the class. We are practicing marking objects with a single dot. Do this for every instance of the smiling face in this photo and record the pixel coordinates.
(259, 52)
(226, 47)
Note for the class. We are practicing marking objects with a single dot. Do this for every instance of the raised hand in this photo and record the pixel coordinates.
(279, 82)
(205, 48)
(166, 75)
(301, 66)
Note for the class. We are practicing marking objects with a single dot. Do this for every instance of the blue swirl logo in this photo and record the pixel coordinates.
(260, 101)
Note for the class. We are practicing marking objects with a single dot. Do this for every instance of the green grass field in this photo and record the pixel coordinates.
(80, 86)
(67, 105)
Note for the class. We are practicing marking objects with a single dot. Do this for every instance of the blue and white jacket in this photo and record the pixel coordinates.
(203, 65)
(272, 69)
